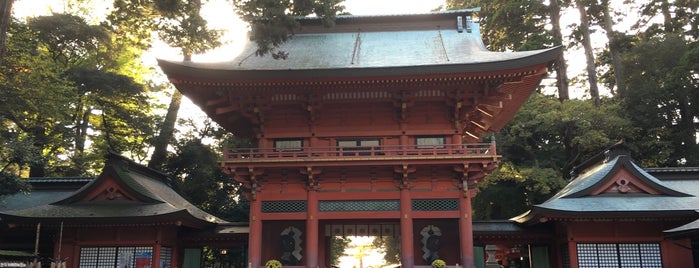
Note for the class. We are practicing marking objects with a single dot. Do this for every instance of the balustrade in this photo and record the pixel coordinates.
(339, 152)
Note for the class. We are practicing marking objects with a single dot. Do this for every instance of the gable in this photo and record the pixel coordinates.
(618, 176)
(108, 190)
(116, 183)
(623, 182)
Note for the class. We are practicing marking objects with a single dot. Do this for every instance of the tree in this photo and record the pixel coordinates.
(390, 246)
(179, 24)
(520, 25)
(560, 65)
(198, 176)
(584, 31)
(5, 17)
(614, 46)
(509, 191)
(273, 22)
(509, 24)
(548, 133)
(15, 154)
(337, 249)
(661, 99)
(63, 76)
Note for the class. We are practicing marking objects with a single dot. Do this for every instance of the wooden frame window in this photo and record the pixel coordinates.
(363, 145)
(288, 145)
(359, 143)
(642, 255)
(123, 256)
(430, 142)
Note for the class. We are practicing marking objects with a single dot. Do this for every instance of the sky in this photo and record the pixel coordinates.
(220, 15)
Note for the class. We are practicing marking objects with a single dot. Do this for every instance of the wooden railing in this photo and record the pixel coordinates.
(339, 153)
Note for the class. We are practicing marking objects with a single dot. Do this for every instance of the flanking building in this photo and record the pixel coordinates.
(128, 216)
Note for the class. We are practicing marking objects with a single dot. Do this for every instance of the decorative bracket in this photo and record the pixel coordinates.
(404, 171)
(403, 100)
(470, 174)
(313, 183)
(249, 178)
(312, 106)
(254, 108)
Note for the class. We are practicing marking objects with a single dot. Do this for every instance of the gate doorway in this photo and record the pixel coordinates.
(362, 245)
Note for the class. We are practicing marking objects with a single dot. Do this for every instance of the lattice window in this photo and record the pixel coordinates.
(283, 206)
(565, 258)
(619, 255)
(110, 257)
(358, 205)
(98, 257)
(165, 257)
(435, 204)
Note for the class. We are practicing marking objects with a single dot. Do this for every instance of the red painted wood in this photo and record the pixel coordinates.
(406, 229)
(312, 230)
(255, 236)
(466, 230)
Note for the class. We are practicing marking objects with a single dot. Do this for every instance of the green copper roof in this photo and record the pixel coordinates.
(361, 46)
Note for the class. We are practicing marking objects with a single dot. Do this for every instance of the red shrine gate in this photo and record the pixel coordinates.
(370, 127)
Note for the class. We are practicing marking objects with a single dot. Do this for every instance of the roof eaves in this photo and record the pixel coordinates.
(182, 72)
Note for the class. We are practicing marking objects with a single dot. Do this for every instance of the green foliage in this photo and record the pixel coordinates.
(439, 263)
(176, 22)
(337, 248)
(661, 99)
(390, 246)
(559, 135)
(273, 21)
(509, 191)
(198, 177)
(273, 264)
(66, 94)
(514, 25)
(15, 156)
(69, 40)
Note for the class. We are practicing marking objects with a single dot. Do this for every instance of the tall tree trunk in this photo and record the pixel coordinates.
(560, 64)
(167, 129)
(667, 16)
(80, 139)
(614, 48)
(589, 57)
(37, 168)
(157, 159)
(689, 132)
(5, 17)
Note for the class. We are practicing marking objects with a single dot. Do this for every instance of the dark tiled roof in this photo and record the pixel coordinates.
(676, 198)
(689, 229)
(156, 200)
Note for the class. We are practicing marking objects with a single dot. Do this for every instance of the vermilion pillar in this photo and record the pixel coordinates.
(466, 230)
(312, 230)
(406, 229)
(255, 236)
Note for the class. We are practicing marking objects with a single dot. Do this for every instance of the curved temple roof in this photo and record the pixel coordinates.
(149, 199)
(360, 46)
(585, 196)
